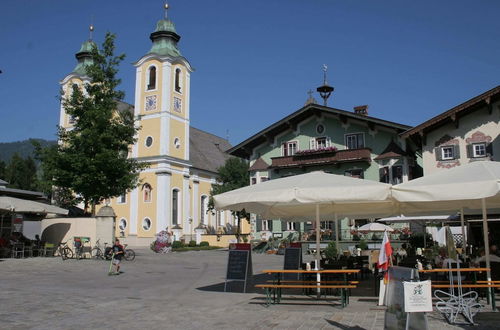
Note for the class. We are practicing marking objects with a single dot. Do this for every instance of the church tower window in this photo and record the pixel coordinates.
(175, 207)
(152, 78)
(146, 188)
(178, 80)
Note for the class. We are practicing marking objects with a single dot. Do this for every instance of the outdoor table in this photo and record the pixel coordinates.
(279, 272)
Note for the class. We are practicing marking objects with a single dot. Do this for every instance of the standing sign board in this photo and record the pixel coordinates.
(293, 258)
(418, 296)
(396, 317)
(239, 266)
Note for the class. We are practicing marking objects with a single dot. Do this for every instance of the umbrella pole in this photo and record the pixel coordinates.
(318, 237)
(462, 223)
(487, 247)
(337, 233)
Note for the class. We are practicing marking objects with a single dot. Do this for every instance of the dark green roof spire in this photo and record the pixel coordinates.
(165, 38)
(84, 55)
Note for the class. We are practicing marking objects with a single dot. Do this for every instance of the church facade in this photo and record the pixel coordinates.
(183, 161)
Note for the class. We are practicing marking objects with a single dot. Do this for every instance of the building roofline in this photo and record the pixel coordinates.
(472, 104)
(241, 149)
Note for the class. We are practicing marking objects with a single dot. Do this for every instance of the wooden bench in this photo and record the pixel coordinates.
(273, 291)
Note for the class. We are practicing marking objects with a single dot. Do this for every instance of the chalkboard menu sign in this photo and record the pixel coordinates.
(239, 267)
(293, 258)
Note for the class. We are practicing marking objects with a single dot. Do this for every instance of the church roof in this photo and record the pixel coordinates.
(207, 151)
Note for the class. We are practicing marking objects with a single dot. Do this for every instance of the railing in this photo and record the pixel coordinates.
(321, 157)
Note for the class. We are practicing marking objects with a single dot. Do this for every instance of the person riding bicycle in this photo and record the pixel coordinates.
(117, 255)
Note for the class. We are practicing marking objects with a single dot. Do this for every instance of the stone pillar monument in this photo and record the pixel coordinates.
(105, 225)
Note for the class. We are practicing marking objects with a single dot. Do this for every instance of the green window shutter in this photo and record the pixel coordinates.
(297, 226)
(283, 225)
(470, 153)
(437, 153)
(489, 149)
(456, 151)
(258, 224)
(271, 222)
(312, 144)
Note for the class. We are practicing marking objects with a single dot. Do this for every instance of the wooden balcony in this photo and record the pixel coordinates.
(322, 158)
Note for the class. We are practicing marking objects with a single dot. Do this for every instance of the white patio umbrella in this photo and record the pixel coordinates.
(307, 196)
(474, 186)
(13, 204)
(375, 227)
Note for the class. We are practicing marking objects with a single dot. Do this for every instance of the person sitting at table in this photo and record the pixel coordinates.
(482, 257)
(438, 261)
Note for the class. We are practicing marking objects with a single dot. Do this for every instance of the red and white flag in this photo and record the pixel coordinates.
(385, 253)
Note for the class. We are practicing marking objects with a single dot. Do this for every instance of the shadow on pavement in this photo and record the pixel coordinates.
(341, 326)
(237, 286)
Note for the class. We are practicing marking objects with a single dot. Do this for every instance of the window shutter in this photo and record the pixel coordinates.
(328, 142)
(271, 225)
(297, 226)
(456, 151)
(283, 149)
(312, 144)
(489, 149)
(470, 153)
(437, 152)
(283, 225)
(258, 224)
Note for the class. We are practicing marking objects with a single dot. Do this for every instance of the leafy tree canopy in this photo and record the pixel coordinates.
(91, 159)
(20, 173)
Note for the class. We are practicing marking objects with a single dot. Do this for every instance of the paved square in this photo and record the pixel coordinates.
(173, 291)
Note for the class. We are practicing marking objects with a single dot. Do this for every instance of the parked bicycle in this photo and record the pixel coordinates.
(129, 254)
(64, 250)
(98, 253)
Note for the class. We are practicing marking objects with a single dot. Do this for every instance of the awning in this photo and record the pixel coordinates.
(13, 204)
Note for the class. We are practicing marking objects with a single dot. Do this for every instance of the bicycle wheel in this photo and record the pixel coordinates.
(96, 253)
(66, 253)
(129, 254)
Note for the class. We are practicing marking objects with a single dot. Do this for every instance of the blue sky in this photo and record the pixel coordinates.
(256, 60)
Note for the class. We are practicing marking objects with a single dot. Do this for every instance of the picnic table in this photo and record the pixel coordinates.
(274, 288)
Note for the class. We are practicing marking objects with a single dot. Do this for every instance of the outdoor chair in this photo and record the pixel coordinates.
(28, 250)
(17, 250)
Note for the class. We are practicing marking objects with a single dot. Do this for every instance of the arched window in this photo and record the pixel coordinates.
(178, 80)
(175, 207)
(203, 210)
(146, 190)
(152, 78)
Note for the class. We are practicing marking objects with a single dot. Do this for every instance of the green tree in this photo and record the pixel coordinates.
(21, 173)
(233, 175)
(91, 159)
(2, 170)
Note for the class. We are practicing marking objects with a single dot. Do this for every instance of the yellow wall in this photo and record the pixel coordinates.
(177, 130)
(149, 127)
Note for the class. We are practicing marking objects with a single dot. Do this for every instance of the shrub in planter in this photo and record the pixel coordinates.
(192, 243)
(177, 244)
(363, 245)
(204, 243)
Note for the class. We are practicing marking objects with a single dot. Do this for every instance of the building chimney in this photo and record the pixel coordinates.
(361, 110)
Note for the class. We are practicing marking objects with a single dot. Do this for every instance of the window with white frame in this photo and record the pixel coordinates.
(354, 141)
(151, 78)
(321, 143)
(146, 224)
(478, 150)
(147, 191)
(175, 207)
(447, 153)
(290, 226)
(123, 224)
(122, 199)
(203, 210)
(289, 148)
(266, 225)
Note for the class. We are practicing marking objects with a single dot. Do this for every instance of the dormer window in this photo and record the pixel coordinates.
(178, 80)
(152, 78)
(289, 148)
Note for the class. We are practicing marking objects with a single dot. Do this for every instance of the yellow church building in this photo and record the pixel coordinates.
(183, 160)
